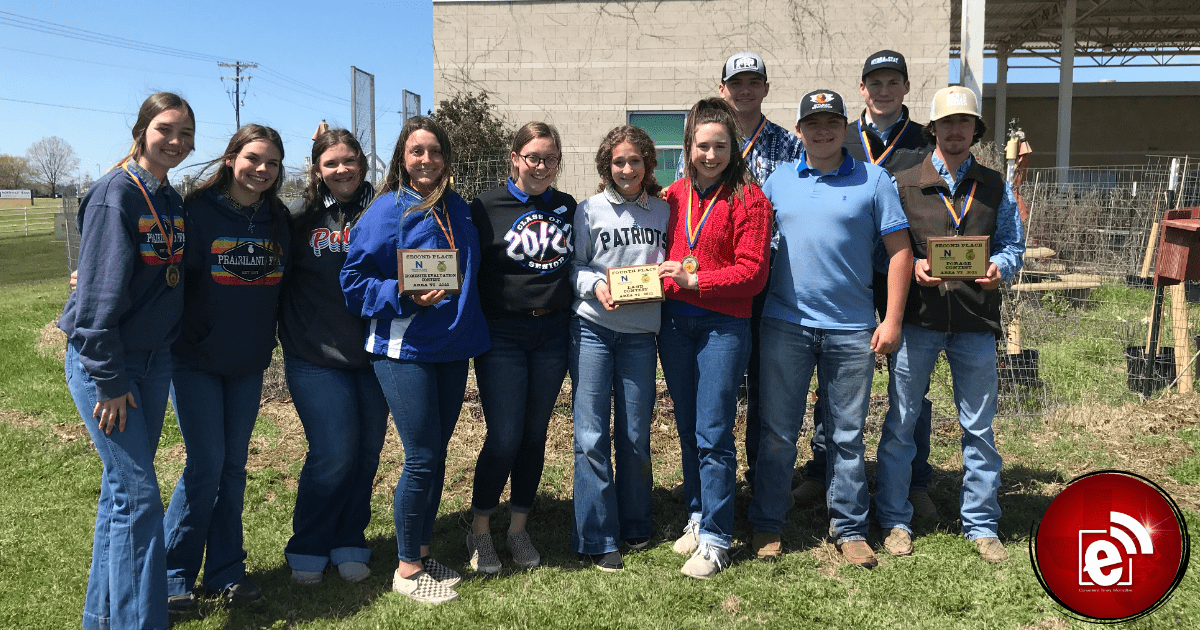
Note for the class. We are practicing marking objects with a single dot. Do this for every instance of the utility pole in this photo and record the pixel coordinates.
(237, 79)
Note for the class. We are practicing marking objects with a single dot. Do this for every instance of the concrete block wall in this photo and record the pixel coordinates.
(582, 65)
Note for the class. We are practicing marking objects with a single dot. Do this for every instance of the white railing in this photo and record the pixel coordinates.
(28, 220)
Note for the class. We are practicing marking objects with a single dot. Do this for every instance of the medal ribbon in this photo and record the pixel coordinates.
(693, 235)
(447, 227)
(168, 235)
(966, 205)
(862, 133)
(750, 145)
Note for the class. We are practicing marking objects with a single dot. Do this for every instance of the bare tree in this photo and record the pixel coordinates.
(15, 173)
(54, 159)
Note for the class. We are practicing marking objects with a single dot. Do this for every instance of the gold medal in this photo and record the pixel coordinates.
(691, 264)
(172, 276)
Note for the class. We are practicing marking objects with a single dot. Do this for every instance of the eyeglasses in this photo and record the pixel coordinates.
(535, 161)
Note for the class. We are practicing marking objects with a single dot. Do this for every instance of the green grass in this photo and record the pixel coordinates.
(47, 508)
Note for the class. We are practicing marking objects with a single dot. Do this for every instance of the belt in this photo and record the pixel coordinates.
(538, 312)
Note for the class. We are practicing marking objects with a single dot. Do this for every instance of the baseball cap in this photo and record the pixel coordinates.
(743, 62)
(885, 60)
(819, 101)
(955, 99)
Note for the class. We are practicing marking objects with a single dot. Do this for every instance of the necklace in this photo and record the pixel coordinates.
(240, 208)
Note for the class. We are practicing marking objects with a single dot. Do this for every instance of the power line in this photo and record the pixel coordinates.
(90, 109)
(62, 30)
(303, 85)
(98, 63)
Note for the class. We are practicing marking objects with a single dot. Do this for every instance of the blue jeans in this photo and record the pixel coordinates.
(344, 415)
(127, 586)
(425, 399)
(845, 364)
(921, 470)
(607, 365)
(972, 358)
(703, 358)
(204, 519)
(519, 380)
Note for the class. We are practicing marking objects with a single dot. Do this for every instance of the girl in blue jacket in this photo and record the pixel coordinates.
(421, 343)
(238, 229)
(120, 323)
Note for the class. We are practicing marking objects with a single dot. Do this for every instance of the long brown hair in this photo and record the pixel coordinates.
(313, 205)
(716, 110)
(154, 105)
(397, 175)
(222, 178)
(640, 141)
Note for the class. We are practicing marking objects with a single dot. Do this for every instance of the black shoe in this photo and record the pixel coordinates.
(637, 544)
(610, 561)
(242, 591)
(181, 604)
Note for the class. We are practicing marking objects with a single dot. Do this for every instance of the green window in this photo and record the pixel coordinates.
(666, 130)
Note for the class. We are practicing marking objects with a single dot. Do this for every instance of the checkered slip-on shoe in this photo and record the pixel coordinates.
(522, 550)
(421, 587)
(482, 553)
(440, 572)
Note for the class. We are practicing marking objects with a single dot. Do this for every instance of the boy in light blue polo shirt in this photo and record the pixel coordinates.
(831, 211)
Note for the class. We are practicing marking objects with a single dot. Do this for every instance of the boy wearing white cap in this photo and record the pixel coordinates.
(950, 194)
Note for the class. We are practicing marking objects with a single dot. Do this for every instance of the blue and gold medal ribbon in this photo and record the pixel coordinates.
(958, 218)
(750, 144)
(862, 135)
(693, 235)
(168, 235)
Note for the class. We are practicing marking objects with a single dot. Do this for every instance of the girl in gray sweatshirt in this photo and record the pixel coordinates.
(613, 350)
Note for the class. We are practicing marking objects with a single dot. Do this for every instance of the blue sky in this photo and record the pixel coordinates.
(304, 48)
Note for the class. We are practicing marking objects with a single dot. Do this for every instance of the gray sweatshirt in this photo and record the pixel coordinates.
(613, 232)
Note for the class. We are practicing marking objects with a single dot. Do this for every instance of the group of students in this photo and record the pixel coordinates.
(151, 317)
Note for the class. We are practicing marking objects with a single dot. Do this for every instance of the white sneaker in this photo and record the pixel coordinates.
(354, 571)
(706, 562)
(423, 588)
(687, 543)
(307, 577)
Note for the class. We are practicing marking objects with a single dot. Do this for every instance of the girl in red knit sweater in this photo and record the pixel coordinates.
(718, 237)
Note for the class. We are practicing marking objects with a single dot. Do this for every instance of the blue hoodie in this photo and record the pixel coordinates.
(450, 330)
(233, 281)
(122, 304)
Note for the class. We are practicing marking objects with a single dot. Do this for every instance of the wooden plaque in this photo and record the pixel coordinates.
(636, 284)
(424, 270)
(958, 257)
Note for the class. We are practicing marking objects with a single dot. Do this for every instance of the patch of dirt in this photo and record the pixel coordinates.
(52, 341)
(14, 418)
(731, 605)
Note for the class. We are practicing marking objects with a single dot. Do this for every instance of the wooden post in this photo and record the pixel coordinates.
(1179, 323)
(1150, 250)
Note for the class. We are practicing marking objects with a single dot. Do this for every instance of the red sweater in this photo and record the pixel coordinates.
(732, 248)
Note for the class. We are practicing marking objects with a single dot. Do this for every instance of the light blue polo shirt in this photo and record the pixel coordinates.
(829, 224)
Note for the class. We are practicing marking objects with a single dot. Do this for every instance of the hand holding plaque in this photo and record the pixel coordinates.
(958, 257)
(424, 270)
(636, 284)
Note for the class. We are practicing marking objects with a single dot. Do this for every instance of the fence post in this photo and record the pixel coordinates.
(26, 213)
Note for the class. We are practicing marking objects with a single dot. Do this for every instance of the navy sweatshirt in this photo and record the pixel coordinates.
(314, 323)
(122, 303)
(527, 250)
(233, 282)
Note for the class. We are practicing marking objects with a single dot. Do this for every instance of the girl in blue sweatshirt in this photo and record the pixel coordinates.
(120, 323)
(422, 342)
(328, 370)
(239, 237)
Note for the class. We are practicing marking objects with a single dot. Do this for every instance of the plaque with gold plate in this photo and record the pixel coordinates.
(424, 270)
(635, 285)
(958, 257)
